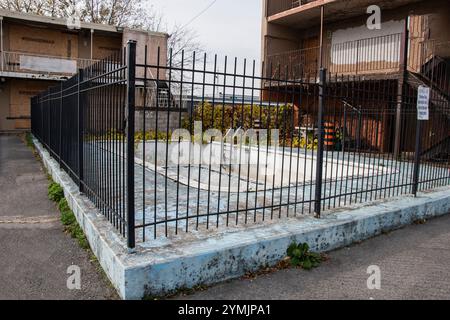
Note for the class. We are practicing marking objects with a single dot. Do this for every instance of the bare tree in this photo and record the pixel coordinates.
(184, 40)
(112, 12)
(27, 6)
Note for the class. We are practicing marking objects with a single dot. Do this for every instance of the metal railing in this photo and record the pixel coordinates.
(24, 62)
(365, 56)
(300, 62)
(278, 6)
(430, 59)
(81, 122)
(310, 147)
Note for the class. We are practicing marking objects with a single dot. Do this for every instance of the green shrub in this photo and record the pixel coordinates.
(223, 117)
(151, 135)
(63, 205)
(310, 143)
(302, 257)
(55, 192)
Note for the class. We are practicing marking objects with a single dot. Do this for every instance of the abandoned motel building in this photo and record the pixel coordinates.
(40, 52)
(411, 48)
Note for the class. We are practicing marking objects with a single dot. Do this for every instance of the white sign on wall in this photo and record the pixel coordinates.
(423, 103)
(45, 65)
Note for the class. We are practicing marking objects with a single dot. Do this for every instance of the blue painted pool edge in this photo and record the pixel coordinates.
(184, 264)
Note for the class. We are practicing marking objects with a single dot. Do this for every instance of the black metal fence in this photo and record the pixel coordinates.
(81, 122)
(277, 148)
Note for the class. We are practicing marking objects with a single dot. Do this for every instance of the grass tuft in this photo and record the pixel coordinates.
(55, 192)
(71, 226)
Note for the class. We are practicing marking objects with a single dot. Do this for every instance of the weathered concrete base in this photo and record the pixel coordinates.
(229, 253)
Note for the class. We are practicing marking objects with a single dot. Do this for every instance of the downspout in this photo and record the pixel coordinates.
(401, 87)
(1, 42)
(322, 16)
(92, 42)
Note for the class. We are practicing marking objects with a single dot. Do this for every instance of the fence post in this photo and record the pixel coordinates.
(131, 75)
(320, 146)
(80, 133)
(60, 124)
(418, 148)
(49, 123)
(41, 111)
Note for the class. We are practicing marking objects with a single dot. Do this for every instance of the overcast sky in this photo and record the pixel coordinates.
(228, 27)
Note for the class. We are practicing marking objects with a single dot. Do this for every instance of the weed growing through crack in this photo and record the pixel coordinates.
(29, 140)
(55, 192)
(71, 226)
(300, 256)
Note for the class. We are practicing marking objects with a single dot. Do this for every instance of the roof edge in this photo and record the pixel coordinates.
(63, 22)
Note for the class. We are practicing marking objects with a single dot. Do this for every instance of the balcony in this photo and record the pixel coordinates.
(378, 55)
(301, 14)
(278, 6)
(29, 65)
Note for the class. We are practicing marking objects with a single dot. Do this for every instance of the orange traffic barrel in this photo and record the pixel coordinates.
(329, 135)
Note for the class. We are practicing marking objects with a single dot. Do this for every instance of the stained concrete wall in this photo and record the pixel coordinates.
(152, 121)
(5, 124)
(45, 41)
(57, 40)
(105, 45)
(61, 42)
(15, 101)
(84, 44)
(152, 41)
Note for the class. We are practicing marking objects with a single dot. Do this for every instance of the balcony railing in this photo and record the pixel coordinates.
(366, 56)
(29, 63)
(278, 6)
(293, 64)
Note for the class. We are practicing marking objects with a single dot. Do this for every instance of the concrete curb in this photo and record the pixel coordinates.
(177, 263)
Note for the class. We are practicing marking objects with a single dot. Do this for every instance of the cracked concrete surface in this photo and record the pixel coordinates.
(35, 253)
(414, 264)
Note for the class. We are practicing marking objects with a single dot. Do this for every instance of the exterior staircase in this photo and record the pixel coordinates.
(160, 96)
(435, 74)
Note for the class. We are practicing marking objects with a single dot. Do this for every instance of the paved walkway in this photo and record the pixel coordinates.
(414, 264)
(35, 253)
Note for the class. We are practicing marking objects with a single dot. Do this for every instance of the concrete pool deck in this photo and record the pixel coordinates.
(217, 255)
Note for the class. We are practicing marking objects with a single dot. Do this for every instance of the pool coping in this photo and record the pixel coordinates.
(177, 263)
